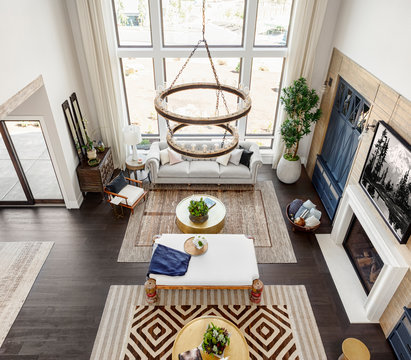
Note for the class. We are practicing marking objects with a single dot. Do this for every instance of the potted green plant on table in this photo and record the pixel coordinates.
(91, 151)
(198, 211)
(215, 340)
(301, 105)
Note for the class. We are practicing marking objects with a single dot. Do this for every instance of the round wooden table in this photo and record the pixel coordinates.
(191, 336)
(214, 223)
(354, 349)
(134, 166)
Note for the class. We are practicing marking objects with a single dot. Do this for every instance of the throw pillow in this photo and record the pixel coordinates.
(164, 158)
(224, 159)
(236, 156)
(175, 157)
(117, 184)
(245, 157)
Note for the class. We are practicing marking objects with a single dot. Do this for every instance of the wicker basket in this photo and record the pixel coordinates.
(298, 227)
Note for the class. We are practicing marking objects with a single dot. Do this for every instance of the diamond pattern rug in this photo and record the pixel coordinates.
(282, 327)
(267, 329)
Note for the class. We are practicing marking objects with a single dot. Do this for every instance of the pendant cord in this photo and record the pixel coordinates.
(219, 91)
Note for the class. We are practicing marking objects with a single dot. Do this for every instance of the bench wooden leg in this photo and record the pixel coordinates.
(151, 291)
(256, 291)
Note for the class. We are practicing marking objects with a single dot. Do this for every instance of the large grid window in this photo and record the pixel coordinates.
(248, 40)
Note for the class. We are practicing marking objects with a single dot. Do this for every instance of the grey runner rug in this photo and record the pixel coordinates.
(20, 263)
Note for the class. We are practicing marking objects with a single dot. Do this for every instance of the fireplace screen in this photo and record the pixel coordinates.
(363, 255)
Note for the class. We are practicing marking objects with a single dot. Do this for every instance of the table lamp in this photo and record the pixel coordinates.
(132, 136)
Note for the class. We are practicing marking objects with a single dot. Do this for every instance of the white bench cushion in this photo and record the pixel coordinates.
(132, 192)
(229, 261)
(204, 169)
(175, 171)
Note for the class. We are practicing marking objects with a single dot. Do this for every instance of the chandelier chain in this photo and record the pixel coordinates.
(219, 91)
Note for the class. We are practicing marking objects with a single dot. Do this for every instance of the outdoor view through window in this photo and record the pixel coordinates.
(248, 41)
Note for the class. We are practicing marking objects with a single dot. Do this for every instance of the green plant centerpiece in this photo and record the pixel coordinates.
(301, 106)
(198, 211)
(215, 340)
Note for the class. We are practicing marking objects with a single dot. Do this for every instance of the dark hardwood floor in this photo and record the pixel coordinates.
(61, 315)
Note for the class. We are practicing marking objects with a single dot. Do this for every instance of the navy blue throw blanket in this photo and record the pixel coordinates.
(168, 261)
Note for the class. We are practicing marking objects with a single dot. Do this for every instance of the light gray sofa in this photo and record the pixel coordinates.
(202, 171)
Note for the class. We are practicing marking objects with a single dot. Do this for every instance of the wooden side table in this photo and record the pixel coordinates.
(354, 349)
(132, 165)
(191, 336)
(94, 179)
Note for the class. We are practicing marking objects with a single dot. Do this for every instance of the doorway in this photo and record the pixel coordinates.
(27, 175)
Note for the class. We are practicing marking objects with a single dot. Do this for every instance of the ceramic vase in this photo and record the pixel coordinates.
(288, 172)
(91, 154)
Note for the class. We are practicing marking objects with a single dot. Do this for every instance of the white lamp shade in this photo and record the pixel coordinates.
(132, 135)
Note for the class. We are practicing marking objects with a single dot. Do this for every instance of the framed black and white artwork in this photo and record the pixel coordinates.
(386, 179)
(73, 128)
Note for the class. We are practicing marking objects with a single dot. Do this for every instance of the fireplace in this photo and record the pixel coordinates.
(363, 255)
(366, 236)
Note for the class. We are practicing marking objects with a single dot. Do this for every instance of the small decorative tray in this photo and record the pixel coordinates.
(190, 248)
(93, 162)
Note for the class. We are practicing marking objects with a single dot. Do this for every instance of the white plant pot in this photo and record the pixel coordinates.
(92, 154)
(288, 172)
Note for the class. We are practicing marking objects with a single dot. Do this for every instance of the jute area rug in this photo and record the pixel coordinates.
(250, 210)
(20, 263)
(282, 327)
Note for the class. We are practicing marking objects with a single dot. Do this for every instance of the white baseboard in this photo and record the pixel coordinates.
(75, 204)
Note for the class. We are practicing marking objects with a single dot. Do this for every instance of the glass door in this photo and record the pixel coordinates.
(27, 175)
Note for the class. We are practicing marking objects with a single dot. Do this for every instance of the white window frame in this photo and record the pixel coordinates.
(246, 53)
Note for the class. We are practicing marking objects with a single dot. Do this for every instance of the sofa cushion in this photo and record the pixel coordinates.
(236, 156)
(204, 169)
(174, 157)
(234, 171)
(174, 171)
(224, 159)
(245, 157)
(164, 157)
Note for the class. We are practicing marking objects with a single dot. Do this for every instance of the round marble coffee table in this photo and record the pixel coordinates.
(191, 336)
(214, 223)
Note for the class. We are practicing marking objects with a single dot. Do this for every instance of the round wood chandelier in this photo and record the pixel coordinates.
(221, 121)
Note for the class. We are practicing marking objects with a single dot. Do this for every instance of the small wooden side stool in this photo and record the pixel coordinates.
(354, 349)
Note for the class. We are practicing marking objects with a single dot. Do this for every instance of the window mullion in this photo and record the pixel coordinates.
(156, 36)
(250, 21)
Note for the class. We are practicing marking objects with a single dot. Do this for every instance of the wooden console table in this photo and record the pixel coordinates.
(93, 179)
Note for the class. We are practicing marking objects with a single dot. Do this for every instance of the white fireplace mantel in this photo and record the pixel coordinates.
(359, 307)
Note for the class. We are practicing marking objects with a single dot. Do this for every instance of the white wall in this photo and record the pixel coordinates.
(36, 39)
(376, 34)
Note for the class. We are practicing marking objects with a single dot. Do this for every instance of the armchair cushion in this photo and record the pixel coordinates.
(133, 193)
(117, 184)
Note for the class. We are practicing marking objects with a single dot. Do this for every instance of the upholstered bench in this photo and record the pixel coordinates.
(229, 263)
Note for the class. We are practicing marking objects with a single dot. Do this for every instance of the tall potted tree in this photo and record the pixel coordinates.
(301, 105)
